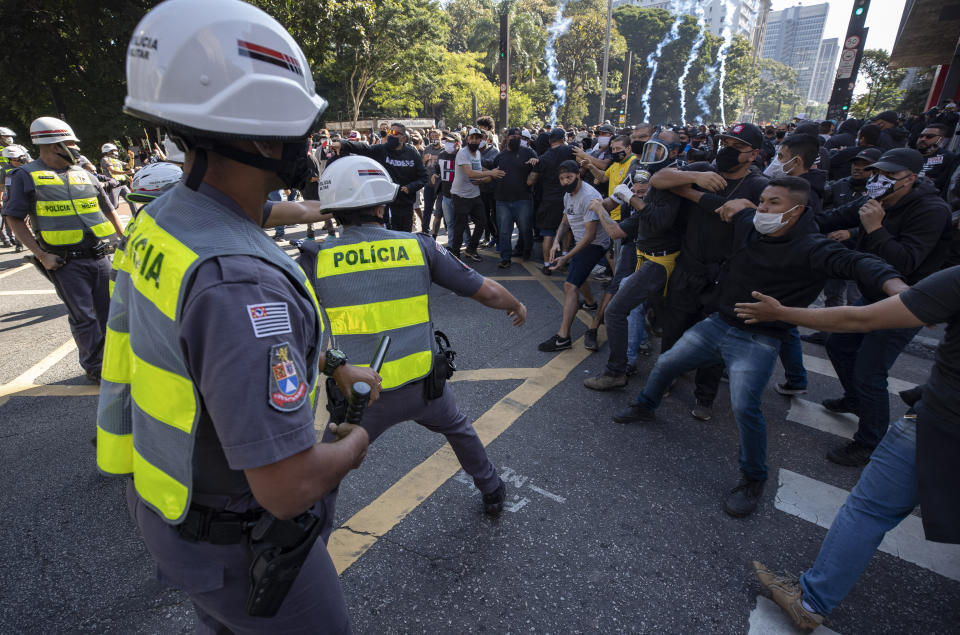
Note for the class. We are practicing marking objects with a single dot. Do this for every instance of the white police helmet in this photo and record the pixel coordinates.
(47, 130)
(107, 147)
(15, 151)
(152, 181)
(355, 182)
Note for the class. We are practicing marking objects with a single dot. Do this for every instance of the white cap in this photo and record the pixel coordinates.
(220, 68)
(354, 182)
(47, 130)
(476, 131)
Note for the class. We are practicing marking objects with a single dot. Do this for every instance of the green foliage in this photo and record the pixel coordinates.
(774, 97)
(883, 91)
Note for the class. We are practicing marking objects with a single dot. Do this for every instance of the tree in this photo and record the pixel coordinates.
(883, 84)
(775, 91)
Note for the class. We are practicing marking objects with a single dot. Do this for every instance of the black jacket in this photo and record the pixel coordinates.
(939, 168)
(914, 236)
(818, 183)
(841, 160)
(661, 225)
(893, 138)
(405, 167)
(791, 268)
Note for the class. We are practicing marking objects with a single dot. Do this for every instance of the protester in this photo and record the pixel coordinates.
(546, 172)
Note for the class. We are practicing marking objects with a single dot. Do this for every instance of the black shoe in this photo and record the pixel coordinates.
(635, 413)
(815, 338)
(493, 502)
(702, 411)
(588, 307)
(504, 264)
(850, 455)
(310, 236)
(277, 237)
(743, 499)
(18, 248)
(788, 389)
(839, 406)
(472, 255)
(554, 344)
(546, 270)
(632, 370)
(93, 376)
(590, 340)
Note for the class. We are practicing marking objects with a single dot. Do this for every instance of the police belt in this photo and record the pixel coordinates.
(205, 524)
(100, 250)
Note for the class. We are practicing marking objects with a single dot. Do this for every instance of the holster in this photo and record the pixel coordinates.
(281, 548)
(443, 367)
(336, 402)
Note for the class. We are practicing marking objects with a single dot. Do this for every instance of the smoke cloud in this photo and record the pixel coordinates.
(559, 26)
(653, 59)
(694, 52)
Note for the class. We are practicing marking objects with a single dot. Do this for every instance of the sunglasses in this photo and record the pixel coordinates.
(929, 136)
(394, 133)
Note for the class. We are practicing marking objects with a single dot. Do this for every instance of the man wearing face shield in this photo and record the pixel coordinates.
(771, 242)
(707, 241)
(905, 222)
(216, 344)
(71, 217)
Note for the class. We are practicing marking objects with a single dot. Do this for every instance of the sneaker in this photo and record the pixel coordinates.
(702, 411)
(850, 455)
(310, 236)
(588, 307)
(93, 376)
(786, 388)
(786, 592)
(492, 243)
(644, 349)
(839, 406)
(815, 338)
(590, 340)
(554, 344)
(602, 277)
(743, 499)
(605, 382)
(632, 370)
(504, 264)
(18, 248)
(547, 271)
(493, 502)
(472, 255)
(635, 413)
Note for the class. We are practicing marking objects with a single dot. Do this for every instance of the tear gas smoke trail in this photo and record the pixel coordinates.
(653, 59)
(724, 48)
(694, 51)
(555, 30)
(704, 92)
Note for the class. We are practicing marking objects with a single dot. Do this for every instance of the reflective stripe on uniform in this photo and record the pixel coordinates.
(66, 207)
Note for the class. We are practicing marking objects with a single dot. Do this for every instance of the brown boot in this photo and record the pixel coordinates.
(605, 382)
(786, 592)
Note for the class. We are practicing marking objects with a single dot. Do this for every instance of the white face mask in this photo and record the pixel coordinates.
(769, 223)
(603, 142)
(483, 144)
(879, 186)
(449, 146)
(523, 143)
(786, 167)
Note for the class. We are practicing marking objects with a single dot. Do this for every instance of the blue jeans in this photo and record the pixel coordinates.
(885, 494)
(448, 218)
(791, 356)
(862, 361)
(636, 332)
(508, 213)
(750, 359)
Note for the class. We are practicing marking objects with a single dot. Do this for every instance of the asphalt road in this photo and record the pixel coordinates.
(609, 528)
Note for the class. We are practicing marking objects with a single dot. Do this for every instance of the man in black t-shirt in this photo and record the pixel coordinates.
(547, 172)
(916, 462)
(513, 197)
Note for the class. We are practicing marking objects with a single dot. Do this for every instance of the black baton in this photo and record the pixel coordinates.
(360, 391)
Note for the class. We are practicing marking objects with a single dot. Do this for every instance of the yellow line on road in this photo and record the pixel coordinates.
(362, 531)
(15, 270)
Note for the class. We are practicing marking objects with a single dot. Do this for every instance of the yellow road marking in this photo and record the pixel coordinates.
(362, 531)
(15, 270)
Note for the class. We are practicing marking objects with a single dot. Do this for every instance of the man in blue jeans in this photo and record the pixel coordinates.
(514, 198)
(916, 462)
(906, 223)
(776, 249)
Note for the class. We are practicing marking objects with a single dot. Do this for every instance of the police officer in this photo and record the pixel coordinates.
(111, 166)
(14, 156)
(6, 139)
(372, 281)
(71, 216)
(215, 343)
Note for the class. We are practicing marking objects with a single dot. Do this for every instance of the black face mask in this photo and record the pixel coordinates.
(571, 186)
(636, 147)
(473, 146)
(393, 142)
(294, 167)
(513, 143)
(618, 156)
(728, 158)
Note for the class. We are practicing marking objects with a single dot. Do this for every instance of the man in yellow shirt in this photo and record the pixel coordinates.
(618, 169)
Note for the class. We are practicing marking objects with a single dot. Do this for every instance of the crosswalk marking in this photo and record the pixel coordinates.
(824, 367)
(819, 503)
(768, 619)
(814, 415)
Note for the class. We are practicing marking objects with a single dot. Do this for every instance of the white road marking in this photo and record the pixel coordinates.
(516, 481)
(15, 270)
(768, 619)
(927, 341)
(824, 367)
(543, 492)
(31, 374)
(29, 292)
(814, 415)
(819, 503)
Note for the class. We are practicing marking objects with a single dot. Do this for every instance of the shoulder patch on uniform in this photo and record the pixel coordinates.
(270, 318)
(287, 387)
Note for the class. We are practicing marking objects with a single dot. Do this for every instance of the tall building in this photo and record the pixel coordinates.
(793, 37)
(743, 14)
(825, 72)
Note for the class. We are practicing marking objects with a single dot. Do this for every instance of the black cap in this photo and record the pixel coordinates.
(746, 132)
(900, 159)
(607, 128)
(513, 131)
(568, 166)
(869, 154)
(557, 134)
(887, 115)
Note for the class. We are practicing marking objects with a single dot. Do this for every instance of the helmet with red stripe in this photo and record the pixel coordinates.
(46, 130)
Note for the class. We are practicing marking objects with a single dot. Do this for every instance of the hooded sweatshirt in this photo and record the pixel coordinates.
(404, 165)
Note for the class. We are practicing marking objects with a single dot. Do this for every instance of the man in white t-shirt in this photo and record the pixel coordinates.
(591, 246)
(467, 204)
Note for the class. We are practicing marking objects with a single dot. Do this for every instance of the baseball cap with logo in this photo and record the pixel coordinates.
(869, 154)
(746, 132)
(475, 131)
(900, 159)
(887, 115)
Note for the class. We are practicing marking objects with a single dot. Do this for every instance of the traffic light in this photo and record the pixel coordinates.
(846, 107)
(621, 112)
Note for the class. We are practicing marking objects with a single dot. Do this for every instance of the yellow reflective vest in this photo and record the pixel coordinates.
(373, 281)
(66, 205)
(149, 406)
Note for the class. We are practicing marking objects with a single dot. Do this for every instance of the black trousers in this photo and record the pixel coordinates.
(401, 219)
(84, 286)
(465, 210)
